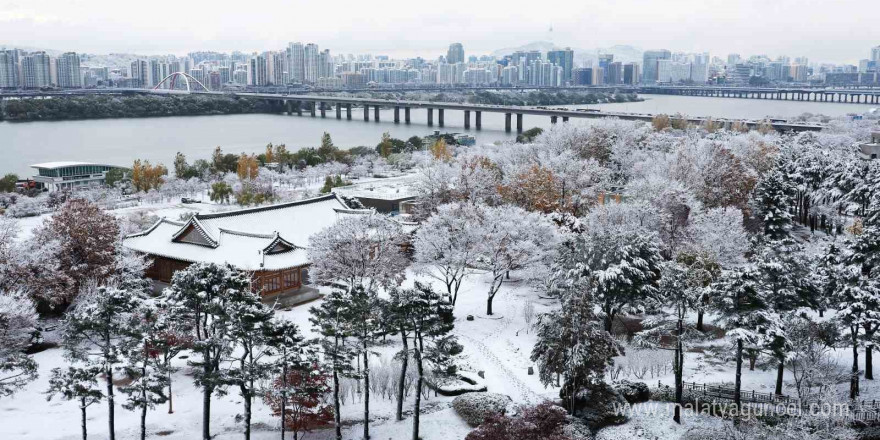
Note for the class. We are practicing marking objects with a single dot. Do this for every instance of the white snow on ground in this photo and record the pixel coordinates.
(499, 346)
(653, 420)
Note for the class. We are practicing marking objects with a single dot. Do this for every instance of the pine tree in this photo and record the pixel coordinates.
(254, 335)
(773, 197)
(78, 383)
(99, 329)
(363, 319)
(144, 364)
(200, 297)
(571, 345)
(297, 396)
(743, 312)
(330, 321)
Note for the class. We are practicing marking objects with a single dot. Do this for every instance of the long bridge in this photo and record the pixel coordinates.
(314, 104)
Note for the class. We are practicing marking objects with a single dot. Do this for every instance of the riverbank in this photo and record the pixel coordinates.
(58, 108)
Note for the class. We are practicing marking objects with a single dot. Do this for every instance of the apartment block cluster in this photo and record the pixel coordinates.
(36, 70)
(762, 70)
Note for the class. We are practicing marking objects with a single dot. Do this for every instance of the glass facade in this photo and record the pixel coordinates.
(79, 170)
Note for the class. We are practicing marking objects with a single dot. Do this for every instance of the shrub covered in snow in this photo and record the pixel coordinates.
(474, 408)
(633, 392)
(598, 406)
(542, 422)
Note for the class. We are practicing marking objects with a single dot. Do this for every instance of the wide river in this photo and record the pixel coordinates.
(120, 141)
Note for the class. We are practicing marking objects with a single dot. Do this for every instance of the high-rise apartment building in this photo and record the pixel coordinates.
(455, 54)
(649, 63)
(295, 59)
(8, 69)
(138, 73)
(257, 71)
(68, 71)
(875, 55)
(36, 70)
(311, 58)
(614, 73)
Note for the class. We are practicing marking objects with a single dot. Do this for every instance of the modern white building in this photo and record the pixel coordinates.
(8, 70)
(36, 70)
(69, 75)
(57, 176)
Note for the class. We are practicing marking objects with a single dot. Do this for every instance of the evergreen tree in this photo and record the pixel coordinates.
(99, 329)
(78, 383)
(743, 312)
(18, 327)
(144, 364)
(363, 319)
(772, 198)
(200, 297)
(572, 345)
(330, 321)
(255, 337)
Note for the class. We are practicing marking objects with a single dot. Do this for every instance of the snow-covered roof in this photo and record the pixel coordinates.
(63, 164)
(271, 237)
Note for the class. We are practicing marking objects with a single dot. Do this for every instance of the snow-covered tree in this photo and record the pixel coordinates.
(330, 321)
(298, 397)
(85, 240)
(511, 239)
(618, 264)
(18, 328)
(719, 232)
(144, 364)
(362, 315)
(99, 329)
(359, 250)
(772, 199)
(426, 316)
(252, 331)
(79, 383)
(446, 245)
(743, 312)
(200, 297)
(572, 345)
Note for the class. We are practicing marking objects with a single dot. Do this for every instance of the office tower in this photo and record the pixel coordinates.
(8, 70)
(257, 71)
(69, 76)
(138, 73)
(311, 59)
(649, 63)
(614, 73)
(36, 70)
(455, 54)
(875, 54)
(225, 75)
(563, 58)
(582, 76)
(631, 73)
(295, 58)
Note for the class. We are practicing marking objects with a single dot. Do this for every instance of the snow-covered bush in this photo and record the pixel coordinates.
(27, 207)
(633, 392)
(474, 408)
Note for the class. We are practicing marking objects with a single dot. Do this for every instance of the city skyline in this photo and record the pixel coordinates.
(713, 26)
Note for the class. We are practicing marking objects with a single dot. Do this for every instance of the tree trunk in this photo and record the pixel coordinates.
(401, 386)
(144, 422)
(284, 392)
(700, 320)
(780, 372)
(753, 358)
(417, 407)
(738, 383)
(82, 408)
(679, 373)
(144, 400)
(170, 396)
(609, 321)
(206, 413)
(489, 304)
(246, 395)
(869, 362)
(337, 420)
(854, 378)
(110, 416)
(366, 393)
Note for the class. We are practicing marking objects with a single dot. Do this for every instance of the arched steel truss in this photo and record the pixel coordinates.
(186, 78)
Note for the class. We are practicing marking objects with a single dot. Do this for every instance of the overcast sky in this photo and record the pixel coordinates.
(828, 30)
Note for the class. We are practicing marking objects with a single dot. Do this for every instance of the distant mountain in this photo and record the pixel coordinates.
(621, 53)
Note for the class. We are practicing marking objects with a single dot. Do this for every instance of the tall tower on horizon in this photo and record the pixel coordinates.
(455, 54)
